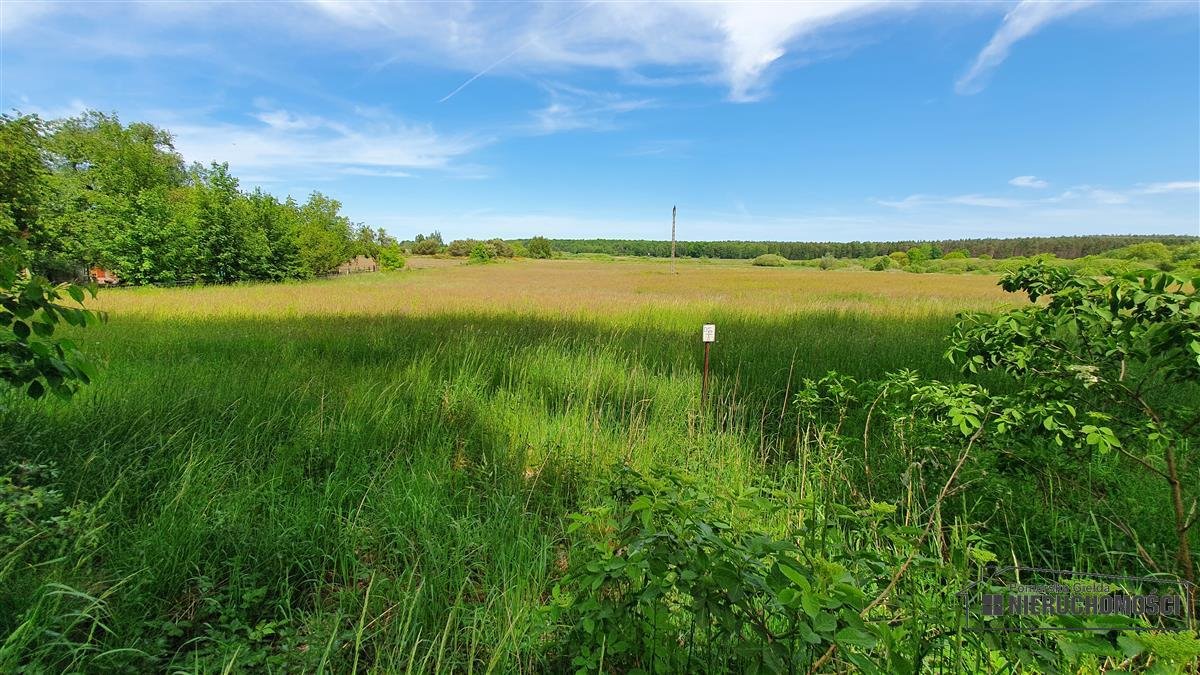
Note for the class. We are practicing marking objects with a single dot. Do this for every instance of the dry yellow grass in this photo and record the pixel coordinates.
(577, 288)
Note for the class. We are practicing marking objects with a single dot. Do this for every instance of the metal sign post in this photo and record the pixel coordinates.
(709, 335)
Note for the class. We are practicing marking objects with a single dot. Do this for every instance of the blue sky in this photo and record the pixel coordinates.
(785, 121)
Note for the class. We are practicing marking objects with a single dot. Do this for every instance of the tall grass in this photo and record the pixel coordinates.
(374, 472)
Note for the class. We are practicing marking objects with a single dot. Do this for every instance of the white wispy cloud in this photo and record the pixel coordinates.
(574, 108)
(281, 141)
(1073, 197)
(1028, 182)
(1025, 19)
(739, 46)
(923, 200)
(1173, 186)
(735, 44)
(1095, 194)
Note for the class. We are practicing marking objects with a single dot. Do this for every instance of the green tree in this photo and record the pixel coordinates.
(324, 235)
(23, 172)
(1099, 366)
(428, 245)
(391, 256)
(539, 247)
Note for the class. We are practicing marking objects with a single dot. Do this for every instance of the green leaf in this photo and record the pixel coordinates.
(855, 637)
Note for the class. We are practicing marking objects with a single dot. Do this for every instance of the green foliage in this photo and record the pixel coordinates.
(503, 249)
(881, 263)
(34, 522)
(663, 580)
(428, 245)
(482, 253)
(23, 175)
(539, 247)
(827, 262)
(391, 256)
(1063, 247)
(1098, 363)
(919, 254)
(769, 260)
(31, 308)
(90, 191)
(461, 248)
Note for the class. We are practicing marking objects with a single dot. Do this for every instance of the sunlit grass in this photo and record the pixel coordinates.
(378, 467)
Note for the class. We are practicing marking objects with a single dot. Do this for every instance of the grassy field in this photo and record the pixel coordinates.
(375, 471)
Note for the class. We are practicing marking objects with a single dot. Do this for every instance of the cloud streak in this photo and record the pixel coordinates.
(282, 141)
(734, 44)
(1028, 17)
(1028, 182)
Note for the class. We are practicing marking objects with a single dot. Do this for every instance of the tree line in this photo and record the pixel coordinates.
(89, 191)
(1062, 247)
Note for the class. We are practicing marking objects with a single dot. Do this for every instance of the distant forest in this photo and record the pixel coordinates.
(1062, 247)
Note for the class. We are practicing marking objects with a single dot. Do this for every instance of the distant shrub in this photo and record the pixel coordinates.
(539, 247)
(954, 255)
(1189, 254)
(461, 248)
(391, 257)
(519, 250)
(827, 262)
(948, 265)
(880, 263)
(1151, 250)
(503, 248)
(482, 253)
(427, 245)
(769, 260)
(900, 257)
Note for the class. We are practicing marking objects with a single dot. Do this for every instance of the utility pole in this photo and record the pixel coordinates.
(673, 241)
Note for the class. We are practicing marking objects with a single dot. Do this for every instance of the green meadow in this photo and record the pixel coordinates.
(376, 473)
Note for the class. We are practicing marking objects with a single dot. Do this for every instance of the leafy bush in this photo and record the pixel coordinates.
(662, 580)
(769, 260)
(880, 263)
(461, 248)
(502, 248)
(539, 247)
(1096, 365)
(827, 262)
(427, 245)
(482, 253)
(1148, 251)
(900, 257)
(30, 310)
(955, 255)
(391, 257)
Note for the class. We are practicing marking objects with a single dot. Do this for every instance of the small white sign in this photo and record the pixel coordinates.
(709, 334)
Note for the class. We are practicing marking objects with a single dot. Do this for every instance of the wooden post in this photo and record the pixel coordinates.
(673, 241)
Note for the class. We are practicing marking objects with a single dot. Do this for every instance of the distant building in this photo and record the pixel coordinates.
(102, 276)
(359, 263)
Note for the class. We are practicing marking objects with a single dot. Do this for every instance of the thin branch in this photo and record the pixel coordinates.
(919, 543)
